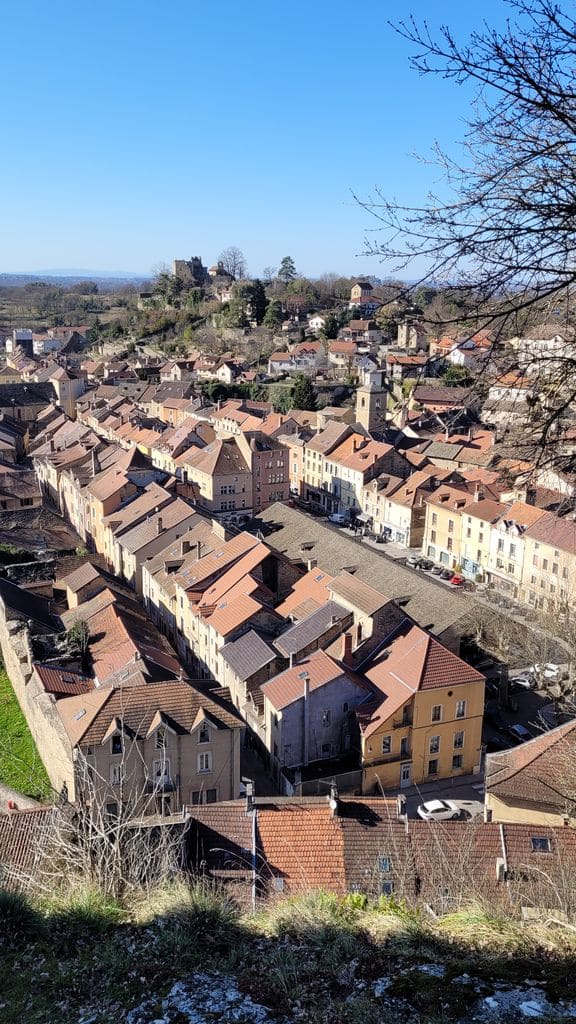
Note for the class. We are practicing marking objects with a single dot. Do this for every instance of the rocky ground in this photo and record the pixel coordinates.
(187, 956)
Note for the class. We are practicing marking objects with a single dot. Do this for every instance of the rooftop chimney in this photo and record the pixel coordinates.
(186, 545)
(346, 657)
(306, 684)
(312, 563)
(159, 525)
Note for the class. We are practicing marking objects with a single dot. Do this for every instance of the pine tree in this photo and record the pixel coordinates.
(287, 271)
(303, 395)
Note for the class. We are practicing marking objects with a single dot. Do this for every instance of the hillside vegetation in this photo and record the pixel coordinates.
(189, 954)
(20, 764)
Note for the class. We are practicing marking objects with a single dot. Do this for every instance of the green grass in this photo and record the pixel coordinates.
(20, 764)
(83, 956)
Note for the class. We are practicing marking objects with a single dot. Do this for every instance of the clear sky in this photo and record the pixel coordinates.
(136, 132)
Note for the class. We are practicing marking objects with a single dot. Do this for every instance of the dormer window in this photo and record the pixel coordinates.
(204, 734)
(160, 741)
(117, 744)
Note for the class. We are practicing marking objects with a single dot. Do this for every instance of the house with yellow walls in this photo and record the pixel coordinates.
(425, 719)
(476, 524)
(450, 534)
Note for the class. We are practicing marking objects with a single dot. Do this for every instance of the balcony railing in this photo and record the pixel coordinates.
(163, 784)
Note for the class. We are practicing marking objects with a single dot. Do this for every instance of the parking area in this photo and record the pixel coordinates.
(465, 787)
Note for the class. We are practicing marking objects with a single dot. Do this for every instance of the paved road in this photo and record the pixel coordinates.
(465, 787)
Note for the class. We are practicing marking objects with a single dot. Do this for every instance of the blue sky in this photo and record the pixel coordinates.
(132, 133)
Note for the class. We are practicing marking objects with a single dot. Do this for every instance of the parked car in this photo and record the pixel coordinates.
(437, 570)
(413, 561)
(519, 733)
(523, 682)
(338, 519)
(457, 580)
(492, 687)
(546, 671)
(446, 574)
(494, 716)
(426, 564)
(444, 810)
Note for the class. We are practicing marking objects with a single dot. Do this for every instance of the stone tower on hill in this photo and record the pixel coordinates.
(191, 272)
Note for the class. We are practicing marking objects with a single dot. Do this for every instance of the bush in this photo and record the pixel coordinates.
(198, 906)
(84, 913)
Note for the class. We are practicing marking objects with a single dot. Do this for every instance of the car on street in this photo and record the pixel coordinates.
(523, 682)
(546, 671)
(519, 733)
(494, 716)
(413, 561)
(425, 564)
(338, 519)
(446, 810)
(446, 574)
(492, 687)
(437, 570)
(457, 580)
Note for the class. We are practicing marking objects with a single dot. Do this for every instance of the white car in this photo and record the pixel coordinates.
(523, 682)
(338, 518)
(547, 671)
(444, 810)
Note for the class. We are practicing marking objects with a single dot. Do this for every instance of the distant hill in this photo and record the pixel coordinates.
(65, 278)
(121, 275)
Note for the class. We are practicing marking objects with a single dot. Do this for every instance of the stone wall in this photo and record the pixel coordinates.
(37, 706)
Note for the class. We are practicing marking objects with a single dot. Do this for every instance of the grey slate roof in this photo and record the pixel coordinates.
(287, 529)
(248, 654)
(312, 628)
(22, 604)
(442, 450)
(441, 393)
(26, 394)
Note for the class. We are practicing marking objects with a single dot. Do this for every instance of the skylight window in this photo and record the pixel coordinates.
(540, 844)
(79, 714)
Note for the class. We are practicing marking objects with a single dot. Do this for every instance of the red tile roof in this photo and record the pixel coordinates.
(63, 681)
(538, 772)
(318, 668)
(413, 661)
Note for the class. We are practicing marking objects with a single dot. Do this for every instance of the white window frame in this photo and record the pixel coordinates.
(161, 768)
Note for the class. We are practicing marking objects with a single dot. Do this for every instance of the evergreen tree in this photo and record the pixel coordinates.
(287, 271)
(330, 329)
(274, 315)
(304, 395)
(258, 301)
